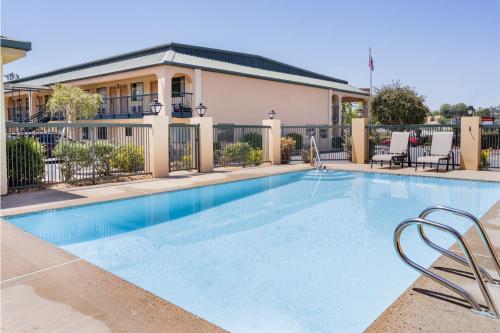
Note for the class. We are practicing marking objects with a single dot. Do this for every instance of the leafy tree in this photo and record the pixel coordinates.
(350, 111)
(397, 104)
(456, 110)
(11, 76)
(73, 103)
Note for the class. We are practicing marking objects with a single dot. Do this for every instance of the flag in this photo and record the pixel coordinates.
(370, 63)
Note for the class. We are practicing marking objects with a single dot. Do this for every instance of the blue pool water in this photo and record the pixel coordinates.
(300, 252)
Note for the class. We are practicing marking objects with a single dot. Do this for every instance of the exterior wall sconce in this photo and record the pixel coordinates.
(271, 114)
(471, 111)
(155, 107)
(360, 113)
(201, 110)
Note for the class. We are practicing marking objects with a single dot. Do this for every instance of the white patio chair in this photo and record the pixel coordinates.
(398, 150)
(440, 151)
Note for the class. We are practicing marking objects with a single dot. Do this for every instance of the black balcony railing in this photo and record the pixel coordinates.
(125, 106)
(182, 104)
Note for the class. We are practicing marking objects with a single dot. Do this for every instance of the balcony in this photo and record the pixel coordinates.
(182, 105)
(125, 106)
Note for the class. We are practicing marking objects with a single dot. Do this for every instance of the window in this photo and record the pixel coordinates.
(102, 91)
(137, 91)
(85, 133)
(128, 131)
(178, 86)
(102, 133)
(323, 133)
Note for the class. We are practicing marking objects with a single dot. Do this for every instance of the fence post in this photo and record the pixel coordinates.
(359, 140)
(470, 143)
(274, 140)
(205, 143)
(158, 144)
(92, 142)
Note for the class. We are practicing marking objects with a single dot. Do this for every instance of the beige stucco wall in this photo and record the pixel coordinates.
(243, 100)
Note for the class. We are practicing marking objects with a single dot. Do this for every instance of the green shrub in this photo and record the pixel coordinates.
(104, 153)
(255, 156)
(72, 156)
(241, 153)
(298, 138)
(485, 155)
(128, 158)
(25, 161)
(253, 139)
(216, 146)
(287, 146)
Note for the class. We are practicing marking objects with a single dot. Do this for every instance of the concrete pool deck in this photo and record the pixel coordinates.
(45, 288)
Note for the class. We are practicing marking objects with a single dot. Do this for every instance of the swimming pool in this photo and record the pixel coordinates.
(299, 252)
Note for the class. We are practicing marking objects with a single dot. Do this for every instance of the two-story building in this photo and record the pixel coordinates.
(235, 87)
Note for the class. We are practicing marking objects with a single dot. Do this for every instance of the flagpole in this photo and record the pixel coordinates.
(371, 69)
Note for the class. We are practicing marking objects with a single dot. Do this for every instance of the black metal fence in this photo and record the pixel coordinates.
(49, 153)
(334, 141)
(490, 147)
(184, 147)
(419, 141)
(241, 145)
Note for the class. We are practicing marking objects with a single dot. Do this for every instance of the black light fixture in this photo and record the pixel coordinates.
(155, 107)
(271, 114)
(471, 111)
(201, 110)
(360, 113)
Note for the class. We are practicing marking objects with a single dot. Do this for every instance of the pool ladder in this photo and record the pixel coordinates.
(317, 160)
(480, 274)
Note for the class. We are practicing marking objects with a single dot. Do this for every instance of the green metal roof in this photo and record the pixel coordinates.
(15, 44)
(193, 57)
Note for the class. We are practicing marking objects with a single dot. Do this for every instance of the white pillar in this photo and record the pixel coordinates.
(3, 148)
(198, 96)
(158, 144)
(274, 140)
(164, 76)
(206, 142)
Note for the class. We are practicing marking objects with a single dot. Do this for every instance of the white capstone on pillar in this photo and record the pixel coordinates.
(274, 141)
(206, 142)
(158, 144)
(164, 77)
(198, 96)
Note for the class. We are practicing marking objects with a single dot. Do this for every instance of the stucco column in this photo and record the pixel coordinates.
(31, 105)
(339, 105)
(359, 140)
(164, 76)
(330, 105)
(365, 108)
(3, 148)
(158, 144)
(470, 143)
(274, 140)
(198, 96)
(206, 142)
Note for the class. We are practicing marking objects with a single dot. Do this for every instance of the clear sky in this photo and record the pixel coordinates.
(449, 50)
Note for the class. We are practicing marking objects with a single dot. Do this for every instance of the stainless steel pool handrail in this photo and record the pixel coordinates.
(451, 255)
(492, 312)
(317, 159)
